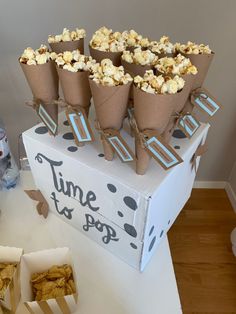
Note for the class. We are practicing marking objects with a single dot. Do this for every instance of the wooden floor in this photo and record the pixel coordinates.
(204, 265)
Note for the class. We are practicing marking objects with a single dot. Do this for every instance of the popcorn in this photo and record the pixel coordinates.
(153, 84)
(41, 59)
(67, 56)
(33, 57)
(57, 282)
(74, 61)
(133, 39)
(192, 48)
(139, 56)
(179, 65)
(109, 75)
(53, 55)
(162, 46)
(67, 36)
(105, 40)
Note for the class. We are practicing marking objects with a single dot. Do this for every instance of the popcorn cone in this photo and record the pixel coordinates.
(151, 112)
(43, 82)
(98, 55)
(182, 97)
(75, 87)
(110, 105)
(163, 55)
(68, 46)
(202, 62)
(135, 69)
(132, 48)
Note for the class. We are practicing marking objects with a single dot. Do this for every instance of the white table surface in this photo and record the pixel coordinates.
(106, 284)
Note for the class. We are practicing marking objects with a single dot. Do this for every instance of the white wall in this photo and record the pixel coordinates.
(27, 23)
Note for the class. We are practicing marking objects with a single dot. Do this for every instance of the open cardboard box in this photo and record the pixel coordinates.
(39, 262)
(12, 295)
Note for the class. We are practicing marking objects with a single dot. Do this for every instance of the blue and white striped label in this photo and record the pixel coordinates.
(47, 120)
(120, 148)
(189, 125)
(162, 153)
(206, 103)
(80, 128)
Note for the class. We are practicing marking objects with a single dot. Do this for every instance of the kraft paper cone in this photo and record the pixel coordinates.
(43, 82)
(184, 94)
(163, 55)
(68, 46)
(132, 48)
(75, 87)
(151, 112)
(202, 62)
(98, 55)
(135, 69)
(110, 104)
(143, 158)
(182, 97)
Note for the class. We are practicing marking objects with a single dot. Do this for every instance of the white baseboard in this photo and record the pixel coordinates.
(231, 194)
(218, 185)
(210, 184)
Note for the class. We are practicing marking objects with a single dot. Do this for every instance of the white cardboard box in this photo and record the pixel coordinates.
(125, 213)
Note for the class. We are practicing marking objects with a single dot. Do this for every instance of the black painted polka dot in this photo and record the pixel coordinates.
(134, 246)
(130, 230)
(152, 244)
(161, 234)
(111, 188)
(41, 130)
(177, 147)
(66, 123)
(72, 149)
(68, 136)
(151, 231)
(130, 202)
(178, 134)
(120, 214)
(101, 155)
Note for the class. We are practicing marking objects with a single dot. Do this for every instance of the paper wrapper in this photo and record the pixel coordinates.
(151, 112)
(75, 87)
(68, 46)
(135, 69)
(163, 55)
(98, 55)
(202, 62)
(43, 82)
(182, 97)
(39, 262)
(110, 105)
(132, 48)
(12, 295)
